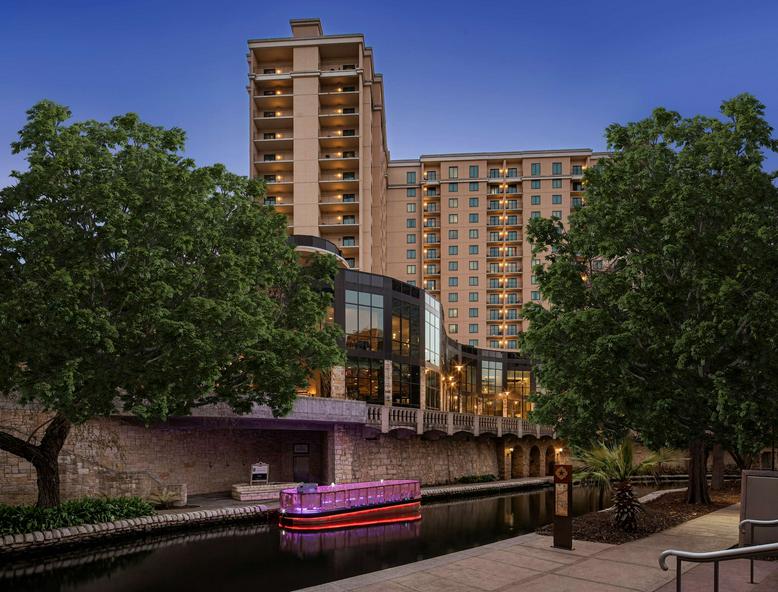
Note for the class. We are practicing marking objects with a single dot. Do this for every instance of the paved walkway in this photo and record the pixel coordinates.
(489, 486)
(528, 564)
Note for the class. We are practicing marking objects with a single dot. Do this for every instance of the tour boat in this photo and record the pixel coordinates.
(322, 507)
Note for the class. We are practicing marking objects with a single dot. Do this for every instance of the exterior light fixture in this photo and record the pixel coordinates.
(278, 157)
(278, 92)
(278, 114)
(278, 70)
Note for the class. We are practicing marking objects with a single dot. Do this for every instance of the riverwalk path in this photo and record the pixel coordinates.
(528, 563)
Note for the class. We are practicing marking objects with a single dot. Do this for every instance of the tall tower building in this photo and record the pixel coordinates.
(318, 137)
(450, 223)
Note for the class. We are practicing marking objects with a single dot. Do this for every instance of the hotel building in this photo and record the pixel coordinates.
(450, 223)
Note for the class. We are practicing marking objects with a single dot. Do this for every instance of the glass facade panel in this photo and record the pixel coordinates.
(364, 321)
(365, 380)
(406, 329)
(432, 334)
(405, 385)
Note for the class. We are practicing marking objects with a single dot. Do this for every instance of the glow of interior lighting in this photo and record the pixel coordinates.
(278, 114)
(278, 157)
(340, 89)
(278, 92)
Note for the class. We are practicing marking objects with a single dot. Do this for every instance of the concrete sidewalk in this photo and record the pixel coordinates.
(528, 564)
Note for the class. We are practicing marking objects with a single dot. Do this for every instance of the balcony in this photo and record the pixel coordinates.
(278, 99)
(266, 71)
(280, 120)
(333, 203)
(332, 139)
(277, 141)
(276, 183)
(345, 67)
(336, 161)
(330, 96)
(337, 182)
(344, 223)
(280, 163)
(335, 117)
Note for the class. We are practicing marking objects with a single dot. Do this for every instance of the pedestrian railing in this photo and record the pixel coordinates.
(715, 557)
(388, 418)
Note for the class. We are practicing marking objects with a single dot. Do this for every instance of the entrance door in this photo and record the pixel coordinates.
(301, 468)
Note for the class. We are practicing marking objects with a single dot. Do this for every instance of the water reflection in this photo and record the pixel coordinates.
(250, 555)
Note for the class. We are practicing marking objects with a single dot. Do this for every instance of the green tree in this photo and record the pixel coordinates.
(612, 468)
(662, 291)
(133, 281)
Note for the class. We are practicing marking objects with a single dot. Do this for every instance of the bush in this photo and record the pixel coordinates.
(477, 479)
(23, 519)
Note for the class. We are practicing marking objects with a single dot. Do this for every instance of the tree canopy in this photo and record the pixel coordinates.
(661, 292)
(132, 280)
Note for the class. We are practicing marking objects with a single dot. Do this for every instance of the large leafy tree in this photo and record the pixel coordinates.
(132, 280)
(662, 291)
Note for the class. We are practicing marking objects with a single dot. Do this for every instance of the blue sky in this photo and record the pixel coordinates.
(459, 76)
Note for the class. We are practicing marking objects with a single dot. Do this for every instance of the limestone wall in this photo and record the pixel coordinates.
(364, 456)
(116, 456)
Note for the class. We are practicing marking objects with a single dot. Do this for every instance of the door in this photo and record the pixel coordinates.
(301, 467)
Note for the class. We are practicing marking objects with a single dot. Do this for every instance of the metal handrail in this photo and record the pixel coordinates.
(753, 523)
(717, 556)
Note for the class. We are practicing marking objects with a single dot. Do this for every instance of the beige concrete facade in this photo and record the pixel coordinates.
(318, 137)
(451, 223)
(456, 227)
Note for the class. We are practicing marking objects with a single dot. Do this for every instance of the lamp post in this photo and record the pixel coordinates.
(459, 380)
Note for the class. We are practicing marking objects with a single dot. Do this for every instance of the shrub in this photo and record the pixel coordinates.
(23, 519)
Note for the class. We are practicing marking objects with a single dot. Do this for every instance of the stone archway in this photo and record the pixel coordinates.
(534, 462)
(550, 459)
(518, 468)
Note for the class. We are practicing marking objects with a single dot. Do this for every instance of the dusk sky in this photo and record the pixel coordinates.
(458, 77)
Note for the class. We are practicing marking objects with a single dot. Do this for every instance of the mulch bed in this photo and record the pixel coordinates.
(669, 510)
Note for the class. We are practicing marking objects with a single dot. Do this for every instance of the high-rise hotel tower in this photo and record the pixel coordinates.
(451, 223)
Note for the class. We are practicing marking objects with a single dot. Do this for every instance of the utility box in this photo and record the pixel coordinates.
(260, 474)
(759, 501)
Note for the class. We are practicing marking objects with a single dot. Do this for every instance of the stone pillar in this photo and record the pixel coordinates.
(344, 439)
(423, 390)
(504, 453)
(388, 383)
(338, 385)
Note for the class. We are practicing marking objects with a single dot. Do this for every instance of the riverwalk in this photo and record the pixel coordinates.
(528, 563)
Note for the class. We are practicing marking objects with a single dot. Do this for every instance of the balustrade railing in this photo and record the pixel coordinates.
(402, 416)
(389, 418)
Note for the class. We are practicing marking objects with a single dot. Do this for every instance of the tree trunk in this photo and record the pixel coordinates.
(717, 471)
(697, 492)
(44, 457)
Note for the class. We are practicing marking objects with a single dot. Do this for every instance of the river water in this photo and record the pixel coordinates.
(263, 557)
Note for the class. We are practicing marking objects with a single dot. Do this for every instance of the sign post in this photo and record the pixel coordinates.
(563, 506)
(260, 474)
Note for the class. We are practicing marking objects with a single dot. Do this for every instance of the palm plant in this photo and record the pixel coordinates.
(612, 467)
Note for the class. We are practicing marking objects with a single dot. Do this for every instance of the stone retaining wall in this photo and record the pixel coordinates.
(76, 535)
(119, 456)
(363, 455)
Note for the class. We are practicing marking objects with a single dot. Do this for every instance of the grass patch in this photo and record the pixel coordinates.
(23, 519)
